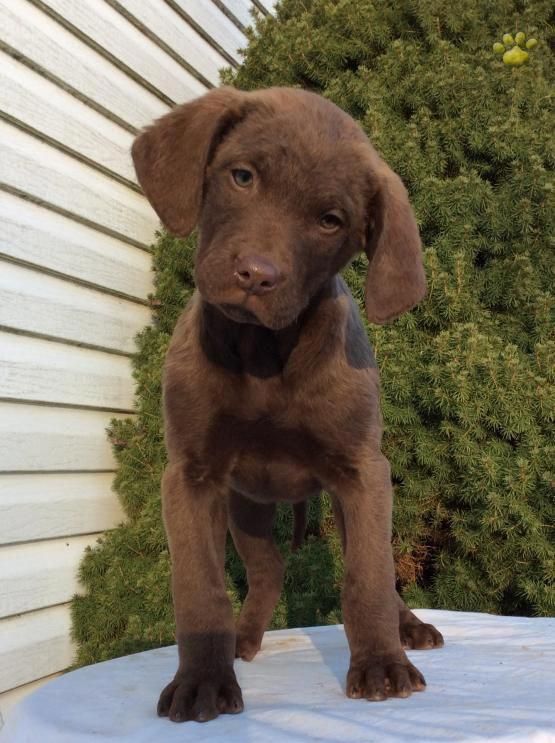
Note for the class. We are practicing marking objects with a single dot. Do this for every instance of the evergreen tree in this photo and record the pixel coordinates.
(467, 378)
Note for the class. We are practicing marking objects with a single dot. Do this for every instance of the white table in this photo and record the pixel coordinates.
(493, 680)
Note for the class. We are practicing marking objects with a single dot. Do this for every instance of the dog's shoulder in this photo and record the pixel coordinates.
(357, 346)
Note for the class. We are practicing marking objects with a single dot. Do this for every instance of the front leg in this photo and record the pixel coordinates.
(379, 667)
(414, 633)
(195, 518)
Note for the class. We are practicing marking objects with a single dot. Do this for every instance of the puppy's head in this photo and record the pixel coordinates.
(285, 189)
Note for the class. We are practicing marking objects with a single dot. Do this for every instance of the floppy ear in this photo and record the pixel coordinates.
(396, 281)
(171, 156)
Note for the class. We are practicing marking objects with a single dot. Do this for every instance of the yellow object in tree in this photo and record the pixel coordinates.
(515, 56)
(513, 50)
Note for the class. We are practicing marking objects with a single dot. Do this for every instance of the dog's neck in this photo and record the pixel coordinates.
(245, 348)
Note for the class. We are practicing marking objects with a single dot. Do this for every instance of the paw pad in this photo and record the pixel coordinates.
(514, 48)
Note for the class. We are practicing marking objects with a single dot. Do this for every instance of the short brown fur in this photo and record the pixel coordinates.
(271, 391)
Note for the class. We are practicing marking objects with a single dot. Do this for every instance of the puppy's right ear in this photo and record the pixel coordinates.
(171, 156)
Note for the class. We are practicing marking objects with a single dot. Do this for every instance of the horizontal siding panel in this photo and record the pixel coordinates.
(47, 44)
(215, 23)
(35, 576)
(110, 31)
(58, 180)
(39, 104)
(36, 438)
(37, 236)
(42, 371)
(161, 20)
(268, 4)
(45, 506)
(240, 9)
(36, 303)
(34, 645)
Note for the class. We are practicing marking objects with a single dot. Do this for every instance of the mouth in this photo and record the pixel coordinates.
(238, 313)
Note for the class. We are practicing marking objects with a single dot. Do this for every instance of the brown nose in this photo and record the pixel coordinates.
(256, 275)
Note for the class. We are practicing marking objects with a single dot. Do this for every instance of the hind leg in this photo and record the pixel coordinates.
(251, 524)
(414, 634)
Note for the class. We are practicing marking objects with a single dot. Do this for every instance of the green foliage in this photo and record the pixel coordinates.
(467, 378)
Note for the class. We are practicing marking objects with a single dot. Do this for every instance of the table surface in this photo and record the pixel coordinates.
(493, 680)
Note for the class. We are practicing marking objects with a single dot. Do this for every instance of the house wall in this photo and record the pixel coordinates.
(77, 80)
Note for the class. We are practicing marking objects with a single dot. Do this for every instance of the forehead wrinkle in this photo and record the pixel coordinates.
(262, 148)
(296, 131)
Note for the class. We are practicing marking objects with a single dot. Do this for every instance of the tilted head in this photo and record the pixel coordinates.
(286, 189)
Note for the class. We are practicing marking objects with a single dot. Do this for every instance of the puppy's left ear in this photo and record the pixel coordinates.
(396, 281)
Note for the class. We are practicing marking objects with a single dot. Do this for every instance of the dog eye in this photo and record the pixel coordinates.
(331, 221)
(242, 178)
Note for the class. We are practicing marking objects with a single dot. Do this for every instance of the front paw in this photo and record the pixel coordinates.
(378, 677)
(201, 696)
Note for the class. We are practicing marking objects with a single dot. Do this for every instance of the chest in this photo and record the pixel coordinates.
(267, 460)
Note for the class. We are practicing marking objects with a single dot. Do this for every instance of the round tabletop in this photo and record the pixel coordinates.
(494, 679)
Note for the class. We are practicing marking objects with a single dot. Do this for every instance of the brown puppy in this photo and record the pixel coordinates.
(271, 391)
